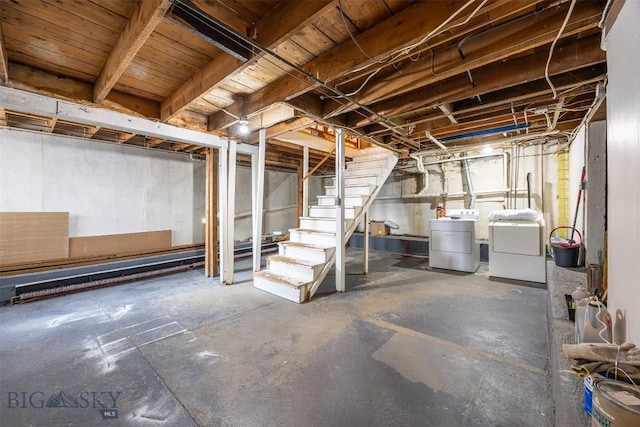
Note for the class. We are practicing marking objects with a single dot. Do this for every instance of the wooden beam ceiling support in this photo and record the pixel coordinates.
(286, 19)
(414, 21)
(89, 131)
(483, 49)
(39, 81)
(576, 54)
(152, 142)
(446, 110)
(31, 103)
(211, 214)
(491, 14)
(122, 137)
(4, 60)
(3, 117)
(50, 124)
(281, 128)
(144, 19)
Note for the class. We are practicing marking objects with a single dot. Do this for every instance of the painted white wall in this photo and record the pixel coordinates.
(396, 203)
(280, 201)
(106, 188)
(623, 158)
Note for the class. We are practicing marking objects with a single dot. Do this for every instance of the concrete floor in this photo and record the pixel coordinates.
(404, 346)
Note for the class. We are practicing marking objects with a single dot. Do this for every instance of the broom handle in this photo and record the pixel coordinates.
(575, 217)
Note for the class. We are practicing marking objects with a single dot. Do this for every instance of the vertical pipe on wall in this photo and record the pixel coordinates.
(467, 175)
(258, 200)
(340, 249)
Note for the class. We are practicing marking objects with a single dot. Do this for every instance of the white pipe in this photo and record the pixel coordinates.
(467, 174)
(435, 140)
(448, 195)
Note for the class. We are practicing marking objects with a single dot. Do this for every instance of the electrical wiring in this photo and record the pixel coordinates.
(553, 45)
(438, 30)
(353, 38)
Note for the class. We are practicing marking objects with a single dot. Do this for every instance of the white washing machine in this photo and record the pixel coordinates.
(452, 241)
(517, 250)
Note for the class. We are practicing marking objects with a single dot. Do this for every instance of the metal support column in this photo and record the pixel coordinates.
(305, 184)
(366, 242)
(339, 182)
(257, 172)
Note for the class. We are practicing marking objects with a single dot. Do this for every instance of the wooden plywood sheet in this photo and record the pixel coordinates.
(113, 244)
(33, 236)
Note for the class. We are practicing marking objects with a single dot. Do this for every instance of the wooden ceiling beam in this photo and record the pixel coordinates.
(39, 81)
(401, 30)
(89, 131)
(281, 128)
(576, 54)
(4, 60)
(286, 19)
(144, 19)
(485, 48)
(492, 14)
(3, 117)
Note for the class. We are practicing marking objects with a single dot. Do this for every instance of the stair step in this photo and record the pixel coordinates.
(303, 271)
(283, 286)
(349, 201)
(306, 251)
(330, 212)
(364, 189)
(319, 223)
(306, 235)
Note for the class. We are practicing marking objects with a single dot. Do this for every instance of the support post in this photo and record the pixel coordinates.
(305, 182)
(365, 244)
(340, 241)
(257, 171)
(223, 175)
(211, 215)
(231, 207)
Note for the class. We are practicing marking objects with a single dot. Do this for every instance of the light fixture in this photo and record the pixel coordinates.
(487, 149)
(243, 126)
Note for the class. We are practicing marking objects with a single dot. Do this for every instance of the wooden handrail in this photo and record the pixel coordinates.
(315, 168)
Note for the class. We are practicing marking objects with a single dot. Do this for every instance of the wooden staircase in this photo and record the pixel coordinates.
(304, 261)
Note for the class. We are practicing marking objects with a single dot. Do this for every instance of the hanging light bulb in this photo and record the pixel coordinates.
(243, 126)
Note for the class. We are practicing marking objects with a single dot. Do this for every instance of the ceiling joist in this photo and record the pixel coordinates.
(144, 19)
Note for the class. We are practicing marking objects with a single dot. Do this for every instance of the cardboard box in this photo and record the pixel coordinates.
(378, 228)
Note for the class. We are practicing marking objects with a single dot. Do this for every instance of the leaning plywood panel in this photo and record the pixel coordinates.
(33, 236)
(116, 244)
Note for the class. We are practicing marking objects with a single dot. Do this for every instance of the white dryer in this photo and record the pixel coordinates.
(452, 241)
(517, 250)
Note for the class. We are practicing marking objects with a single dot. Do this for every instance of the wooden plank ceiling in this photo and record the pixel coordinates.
(399, 73)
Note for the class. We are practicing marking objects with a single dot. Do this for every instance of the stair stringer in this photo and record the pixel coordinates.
(311, 290)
